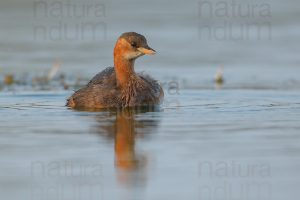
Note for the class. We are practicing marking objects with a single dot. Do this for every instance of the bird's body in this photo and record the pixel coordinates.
(102, 92)
(120, 86)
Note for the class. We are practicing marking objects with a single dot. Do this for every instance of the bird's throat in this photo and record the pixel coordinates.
(124, 70)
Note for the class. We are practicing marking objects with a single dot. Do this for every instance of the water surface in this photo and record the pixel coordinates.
(202, 144)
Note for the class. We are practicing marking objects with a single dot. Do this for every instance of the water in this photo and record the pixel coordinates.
(239, 140)
(246, 142)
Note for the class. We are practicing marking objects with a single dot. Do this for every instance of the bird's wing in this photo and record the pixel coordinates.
(102, 76)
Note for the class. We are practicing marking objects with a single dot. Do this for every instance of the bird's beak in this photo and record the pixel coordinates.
(147, 50)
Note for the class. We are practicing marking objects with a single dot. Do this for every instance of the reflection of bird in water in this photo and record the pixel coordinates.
(219, 79)
(124, 127)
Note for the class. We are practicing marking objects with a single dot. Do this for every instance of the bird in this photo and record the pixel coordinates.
(120, 86)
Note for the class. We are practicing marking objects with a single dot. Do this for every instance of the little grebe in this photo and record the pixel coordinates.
(120, 86)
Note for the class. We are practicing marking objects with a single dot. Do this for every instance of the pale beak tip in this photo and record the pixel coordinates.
(147, 51)
(153, 52)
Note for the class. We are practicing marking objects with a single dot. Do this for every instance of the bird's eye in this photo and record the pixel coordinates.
(133, 44)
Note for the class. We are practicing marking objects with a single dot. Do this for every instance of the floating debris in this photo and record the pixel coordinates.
(49, 79)
(219, 75)
(53, 71)
(219, 78)
(9, 79)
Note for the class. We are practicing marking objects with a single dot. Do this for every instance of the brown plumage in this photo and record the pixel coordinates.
(120, 86)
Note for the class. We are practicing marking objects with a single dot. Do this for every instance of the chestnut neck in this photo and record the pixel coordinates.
(124, 68)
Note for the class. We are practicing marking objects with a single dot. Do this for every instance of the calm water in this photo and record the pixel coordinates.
(202, 144)
(209, 142)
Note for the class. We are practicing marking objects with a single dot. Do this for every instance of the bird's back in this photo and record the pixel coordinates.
(107, 75)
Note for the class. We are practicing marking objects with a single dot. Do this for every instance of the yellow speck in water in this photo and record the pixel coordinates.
(219, 75)
(9, 79)
(219, 78)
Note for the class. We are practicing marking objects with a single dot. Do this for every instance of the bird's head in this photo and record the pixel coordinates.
(132, 45)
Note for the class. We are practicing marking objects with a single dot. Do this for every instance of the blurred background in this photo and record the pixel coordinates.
(255, 42)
